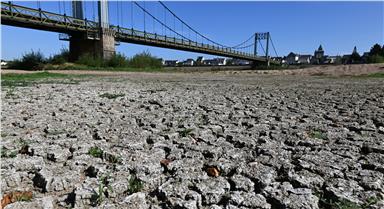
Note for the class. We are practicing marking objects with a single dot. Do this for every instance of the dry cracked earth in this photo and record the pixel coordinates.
(204, 141)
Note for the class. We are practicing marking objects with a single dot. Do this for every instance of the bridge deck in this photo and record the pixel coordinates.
(20, 16)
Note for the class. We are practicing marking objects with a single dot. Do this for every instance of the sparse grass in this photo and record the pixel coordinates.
(6, 153)
(96, 152)
(185, 132)
(134, 184)
(103, 191)
(18, 80)
(109, 69)
(327, 203)
(376, 75)
(111, 96)
(113, 158)
(24, 196)
(371, 75)
(318, 134)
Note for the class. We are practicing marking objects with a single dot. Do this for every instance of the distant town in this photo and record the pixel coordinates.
(318, 58)
(375, 55)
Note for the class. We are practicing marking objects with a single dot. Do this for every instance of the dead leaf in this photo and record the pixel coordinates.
(165, 162)
(213, 171)
(7, 199)
(15, 197)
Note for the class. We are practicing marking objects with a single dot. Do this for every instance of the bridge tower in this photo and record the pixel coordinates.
(97, 45)
(258, 38)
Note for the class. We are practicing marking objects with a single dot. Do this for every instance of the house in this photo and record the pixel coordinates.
(292, 58)
(332, 60)
(188, 62)
(240, 62)
(215, 61)
(4, 63)
(170, 63)
(304, 59)
(199, 60)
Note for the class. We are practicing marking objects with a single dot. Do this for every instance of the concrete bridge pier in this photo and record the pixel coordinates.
(104, 47)
(100, 45)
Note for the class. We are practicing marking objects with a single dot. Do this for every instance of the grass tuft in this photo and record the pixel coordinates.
(20, 80)
(134, 184)
(96, 152)
(111, 96)
(318, 134)
(185, 132)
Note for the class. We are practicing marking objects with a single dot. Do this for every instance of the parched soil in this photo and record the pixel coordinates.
(195, 140)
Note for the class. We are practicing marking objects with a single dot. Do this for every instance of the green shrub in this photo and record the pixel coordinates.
(118, 60)
(375, 59)
(144, 60)
(30, 61)
(90, 60)
(60, 58)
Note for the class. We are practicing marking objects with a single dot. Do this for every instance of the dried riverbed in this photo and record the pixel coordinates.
(210, 140)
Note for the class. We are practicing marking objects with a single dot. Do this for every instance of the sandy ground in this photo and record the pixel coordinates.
(340, 70)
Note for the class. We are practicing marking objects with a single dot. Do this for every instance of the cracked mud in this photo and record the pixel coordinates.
(196, 141)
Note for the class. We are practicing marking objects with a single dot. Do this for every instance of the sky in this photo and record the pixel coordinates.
(298, 27)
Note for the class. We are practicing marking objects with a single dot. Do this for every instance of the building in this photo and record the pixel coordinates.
(304, 59)
(4, 63)
(332, 60)
(318, 56)
(170, 63)
(240, 62)
(215, 61)
(188, 62)
(292, 58)
(199, 60)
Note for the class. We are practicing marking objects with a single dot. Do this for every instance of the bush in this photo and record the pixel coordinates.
(30, 61)
(118, 60)
(376, 59)
(61, 58)
(90, 60)
(144, 60)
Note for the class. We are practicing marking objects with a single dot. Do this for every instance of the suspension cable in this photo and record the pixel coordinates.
(145, 11)
(132, 14)
(93, 10)
(262, 47)
(234, 47)
(273, 46)
(191, 27)
(59, 6)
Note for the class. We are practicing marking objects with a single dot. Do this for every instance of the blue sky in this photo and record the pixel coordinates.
(294, 26)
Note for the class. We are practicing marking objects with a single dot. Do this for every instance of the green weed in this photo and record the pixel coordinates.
(111, 96)
(134, 184)
(96, 152)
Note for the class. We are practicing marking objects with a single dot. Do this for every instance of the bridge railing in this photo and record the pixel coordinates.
(130, 32)
(16, 11)
(53, 20)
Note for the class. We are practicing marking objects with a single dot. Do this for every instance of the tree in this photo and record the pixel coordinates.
(382, 51)
(376, 50)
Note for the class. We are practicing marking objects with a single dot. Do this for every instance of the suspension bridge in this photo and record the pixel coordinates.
(89, 30)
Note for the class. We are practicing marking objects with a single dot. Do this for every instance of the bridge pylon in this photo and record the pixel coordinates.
(101, 45)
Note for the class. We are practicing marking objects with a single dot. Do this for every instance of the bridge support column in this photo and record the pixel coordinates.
(80, 45)
(101, 47)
